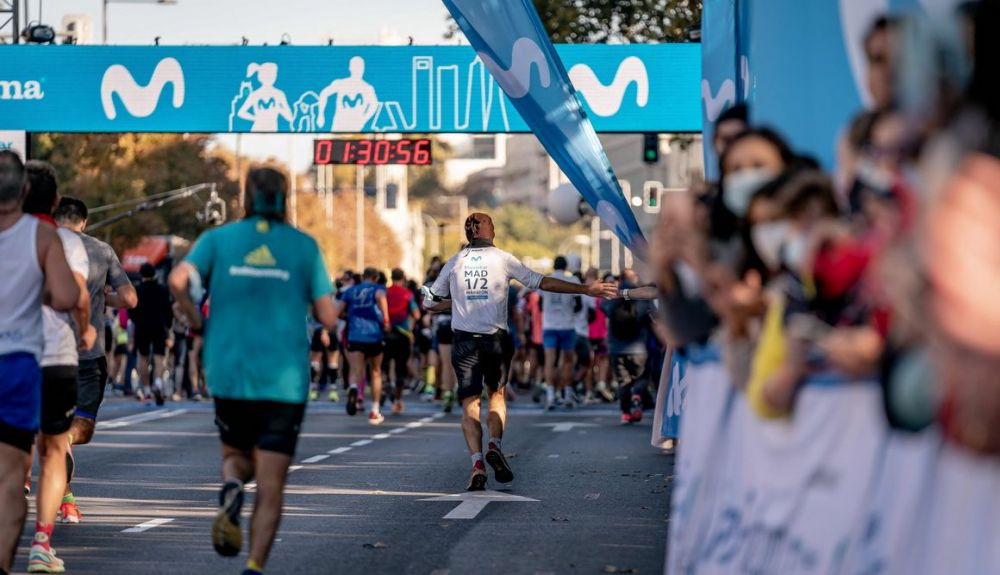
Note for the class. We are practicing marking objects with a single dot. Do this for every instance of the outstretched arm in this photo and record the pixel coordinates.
(645, 292)
(595, 289)
(179, 281)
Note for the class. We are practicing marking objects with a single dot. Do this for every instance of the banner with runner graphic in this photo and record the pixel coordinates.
(830, 490)
(344, 89)
(511, 41)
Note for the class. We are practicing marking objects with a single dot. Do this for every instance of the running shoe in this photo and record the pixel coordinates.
(175, 397)
(196, 397)
(626, 418)
(449, 401)
(376, 418)
(227, 538)
(158, 394)
(352, 401)
(69, 512)
(42, 558)
(313, 394)
(397, 407)
(636, 408)
(478, 480)
(333, 396)
(140, 395)
(501, 469)
(550, 397)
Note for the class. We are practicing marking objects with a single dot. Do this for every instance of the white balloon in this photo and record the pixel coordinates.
(565, 204)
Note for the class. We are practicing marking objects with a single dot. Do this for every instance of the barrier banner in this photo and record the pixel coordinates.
(511, 41)
(831, 490)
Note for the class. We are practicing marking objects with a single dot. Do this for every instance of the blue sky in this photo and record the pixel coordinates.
(226, 21)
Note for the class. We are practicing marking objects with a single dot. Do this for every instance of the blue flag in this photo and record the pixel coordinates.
(509, 38)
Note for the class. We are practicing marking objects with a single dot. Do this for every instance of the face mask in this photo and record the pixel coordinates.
(768, 237)
(793, 252)
(739, 187)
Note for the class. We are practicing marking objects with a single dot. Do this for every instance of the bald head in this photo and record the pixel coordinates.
(479, 226)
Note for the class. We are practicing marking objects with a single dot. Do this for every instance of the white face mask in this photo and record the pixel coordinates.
(739, 187)
(793, 252)
(768, 237)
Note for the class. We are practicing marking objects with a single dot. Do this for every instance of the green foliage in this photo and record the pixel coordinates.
(109, 168)
(524, 232)
(615, 21)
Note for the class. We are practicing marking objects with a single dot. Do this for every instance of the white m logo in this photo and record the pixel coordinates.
(604, 100)
(141, 101)
(516, 80)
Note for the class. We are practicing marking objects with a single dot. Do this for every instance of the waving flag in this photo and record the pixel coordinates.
(512, 43)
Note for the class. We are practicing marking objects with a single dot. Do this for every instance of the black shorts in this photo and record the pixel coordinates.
(121, 349)
(444, 334)
(108, 337)
(92, 375)
(369, 349)
(58, 398)
(583, 349)
(317, 341)
(599, 346)
(151, 338)
(266, 425)
(480, 360)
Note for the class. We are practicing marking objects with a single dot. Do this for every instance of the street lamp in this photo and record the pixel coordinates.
(104, 13)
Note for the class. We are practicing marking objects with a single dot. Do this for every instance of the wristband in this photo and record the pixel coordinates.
(625, 295)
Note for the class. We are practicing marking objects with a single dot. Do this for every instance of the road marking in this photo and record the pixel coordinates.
(361, 443)
(381, 436)
(397, 430)
(339, 450)
(564, 426)
(553, 455)
(315, 458)
(414, 424)
(139, 418)
(472, 502)
(427, 420)
(437, 415)
(147, 525)
(292, 468)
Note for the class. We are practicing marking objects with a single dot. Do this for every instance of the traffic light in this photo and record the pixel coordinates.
(650, 147)
(651, 196)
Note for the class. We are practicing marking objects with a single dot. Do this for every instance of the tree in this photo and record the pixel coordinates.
(614, 21)
(337, 242)
(104, 169)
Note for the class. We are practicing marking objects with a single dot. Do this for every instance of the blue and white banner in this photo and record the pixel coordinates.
(326, 89)
(829, 491)
(513, 44)
(15, 141)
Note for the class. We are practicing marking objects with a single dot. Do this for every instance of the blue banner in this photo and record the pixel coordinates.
(513, 44)
(345, 89)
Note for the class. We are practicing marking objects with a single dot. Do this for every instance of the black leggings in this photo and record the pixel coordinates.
(630, 370)
(397, 350)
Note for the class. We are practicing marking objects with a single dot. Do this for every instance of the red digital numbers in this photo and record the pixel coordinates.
(372, 152)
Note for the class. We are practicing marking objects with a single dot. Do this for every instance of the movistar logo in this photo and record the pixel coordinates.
(516, 80)
(354, 102)
(18, 90)
(476, 258)
(141, 101)
(260, 257)
(604, 100)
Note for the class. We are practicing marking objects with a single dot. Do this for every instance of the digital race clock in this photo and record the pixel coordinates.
(372, 152)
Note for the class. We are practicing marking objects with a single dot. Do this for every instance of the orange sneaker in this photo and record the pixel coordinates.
(69, 512)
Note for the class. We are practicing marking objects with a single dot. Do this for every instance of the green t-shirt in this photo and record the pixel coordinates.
(262, 277)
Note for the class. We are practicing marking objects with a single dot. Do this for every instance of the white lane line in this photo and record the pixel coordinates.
(553, 455)
(381, 436)
(437, 415)
(397, 430)
(292, 468)
(427, 420)
(414, 424)
(147, 525)
(361, 443)
(316, 458)
(139, 418)
(470, 503)
(339, 450)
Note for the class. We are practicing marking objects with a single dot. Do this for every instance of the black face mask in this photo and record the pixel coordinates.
(861, 189)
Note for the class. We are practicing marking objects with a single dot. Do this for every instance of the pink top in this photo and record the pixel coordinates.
(599, 327)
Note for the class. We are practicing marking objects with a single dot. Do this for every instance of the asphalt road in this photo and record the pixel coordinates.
(598, 496)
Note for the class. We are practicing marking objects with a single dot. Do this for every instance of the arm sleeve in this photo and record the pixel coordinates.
(201, 254)
(442, 285)
(320, 282)
(522, 273)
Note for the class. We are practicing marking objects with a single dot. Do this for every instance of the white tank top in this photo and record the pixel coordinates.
(21, 283)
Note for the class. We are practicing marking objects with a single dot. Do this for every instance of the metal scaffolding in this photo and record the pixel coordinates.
(10, 22)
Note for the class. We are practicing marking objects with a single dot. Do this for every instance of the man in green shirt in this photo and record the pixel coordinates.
(263, 275)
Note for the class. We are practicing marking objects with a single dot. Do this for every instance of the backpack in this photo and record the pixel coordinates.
(626, 323)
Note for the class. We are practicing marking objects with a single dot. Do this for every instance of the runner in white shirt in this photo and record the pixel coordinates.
(60, 358)
(473, 284)
(559, 336)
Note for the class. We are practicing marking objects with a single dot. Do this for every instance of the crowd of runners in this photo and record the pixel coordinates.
(72, 323)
